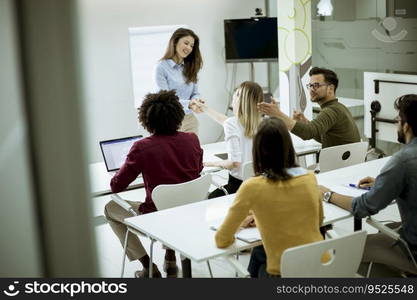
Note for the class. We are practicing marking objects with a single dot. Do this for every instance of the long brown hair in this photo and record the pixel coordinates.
(193, 62)
(250, 94)
(272, 150)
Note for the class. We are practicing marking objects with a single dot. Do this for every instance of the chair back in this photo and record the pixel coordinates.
(171, 195)
(341, 156)
(248, 171)
(305, 261)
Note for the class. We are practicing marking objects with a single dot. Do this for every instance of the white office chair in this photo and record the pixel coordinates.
(248, 171)
(305, 261)
(341, 156)
(396, 258)
(168, 196)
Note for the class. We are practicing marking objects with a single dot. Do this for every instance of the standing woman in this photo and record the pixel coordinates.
(178, 70)
(238, 133)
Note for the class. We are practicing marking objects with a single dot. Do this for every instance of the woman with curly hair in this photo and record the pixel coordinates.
(166, 157)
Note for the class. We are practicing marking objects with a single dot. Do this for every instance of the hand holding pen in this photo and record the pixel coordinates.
(365, 183)
(358, 187)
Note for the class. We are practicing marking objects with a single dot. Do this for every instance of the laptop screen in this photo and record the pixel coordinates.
(115, 151)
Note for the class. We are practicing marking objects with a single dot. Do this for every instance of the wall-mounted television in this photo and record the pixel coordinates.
(251, 40)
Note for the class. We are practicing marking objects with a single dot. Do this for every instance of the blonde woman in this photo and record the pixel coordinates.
(238, 133)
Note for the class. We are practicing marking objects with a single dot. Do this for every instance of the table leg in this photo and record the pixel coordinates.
(151, 259)
(186, 268)
(357, 224)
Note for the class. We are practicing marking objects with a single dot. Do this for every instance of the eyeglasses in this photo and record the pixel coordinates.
(315, 86)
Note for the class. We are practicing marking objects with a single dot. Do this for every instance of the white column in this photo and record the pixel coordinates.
(294, 42)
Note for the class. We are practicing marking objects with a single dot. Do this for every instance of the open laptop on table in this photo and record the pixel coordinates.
(115, 152)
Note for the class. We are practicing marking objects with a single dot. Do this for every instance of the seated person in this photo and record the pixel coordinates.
(333, 126)
(397, 180)
(238, 133)
(280, 193)
(166, 157)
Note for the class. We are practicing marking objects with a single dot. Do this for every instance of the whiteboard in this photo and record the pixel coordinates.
(147, 46)
(388, 92)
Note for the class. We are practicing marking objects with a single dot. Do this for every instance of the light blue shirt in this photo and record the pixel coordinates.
(169, 76)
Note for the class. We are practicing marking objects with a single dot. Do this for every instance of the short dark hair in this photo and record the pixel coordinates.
(273, 151)
(329, 76)
(407, 109)
(161, 113)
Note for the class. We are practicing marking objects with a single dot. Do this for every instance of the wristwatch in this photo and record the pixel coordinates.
(327, 196)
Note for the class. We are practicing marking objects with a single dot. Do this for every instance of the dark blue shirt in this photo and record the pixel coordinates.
(397, 181)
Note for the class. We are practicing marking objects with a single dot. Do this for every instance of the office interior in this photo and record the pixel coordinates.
(66, 85)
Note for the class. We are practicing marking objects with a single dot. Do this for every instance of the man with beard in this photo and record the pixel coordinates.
(397, 181)
(333, 126)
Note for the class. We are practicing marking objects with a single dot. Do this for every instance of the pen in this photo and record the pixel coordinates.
(358, 187)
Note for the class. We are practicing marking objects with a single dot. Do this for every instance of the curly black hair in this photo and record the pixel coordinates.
(161, 113)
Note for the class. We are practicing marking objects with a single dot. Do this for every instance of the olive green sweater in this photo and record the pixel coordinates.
(333, 126)
(288, 214)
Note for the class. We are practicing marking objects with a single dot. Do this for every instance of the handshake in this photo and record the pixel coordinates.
(197, 105)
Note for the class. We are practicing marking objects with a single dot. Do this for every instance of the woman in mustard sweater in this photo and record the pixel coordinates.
(283, 198)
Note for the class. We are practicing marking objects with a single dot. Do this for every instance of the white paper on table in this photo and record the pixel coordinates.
(345, 189)
(248, 235)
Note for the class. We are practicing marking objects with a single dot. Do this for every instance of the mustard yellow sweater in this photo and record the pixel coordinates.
(287, 213)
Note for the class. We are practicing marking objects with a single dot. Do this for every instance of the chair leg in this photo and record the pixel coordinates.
(237, 258)
(223, 190)
(186, 267)
(209, 267)
(410, 253)
(151, 259)
(237, 266)
(368, 273)
(124, 253)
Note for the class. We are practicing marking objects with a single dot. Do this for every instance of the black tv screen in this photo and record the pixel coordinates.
(251, 40)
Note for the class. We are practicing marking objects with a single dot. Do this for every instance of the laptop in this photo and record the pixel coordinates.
(115, 151)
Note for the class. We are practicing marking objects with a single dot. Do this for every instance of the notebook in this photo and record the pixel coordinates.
(115, 151)
(248, 235)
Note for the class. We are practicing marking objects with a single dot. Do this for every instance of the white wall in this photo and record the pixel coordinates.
(20, 252)
(105, 56)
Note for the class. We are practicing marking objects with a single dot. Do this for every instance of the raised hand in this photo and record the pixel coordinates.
(299, 117)
(270, 109)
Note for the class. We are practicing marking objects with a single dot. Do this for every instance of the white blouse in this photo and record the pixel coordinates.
(239, 147)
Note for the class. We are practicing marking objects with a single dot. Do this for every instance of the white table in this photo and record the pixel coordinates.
(301, 147)
(186, 229)
(100, 178)
(337, 180)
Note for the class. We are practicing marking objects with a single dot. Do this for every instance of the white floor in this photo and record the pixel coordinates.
(110, 250)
